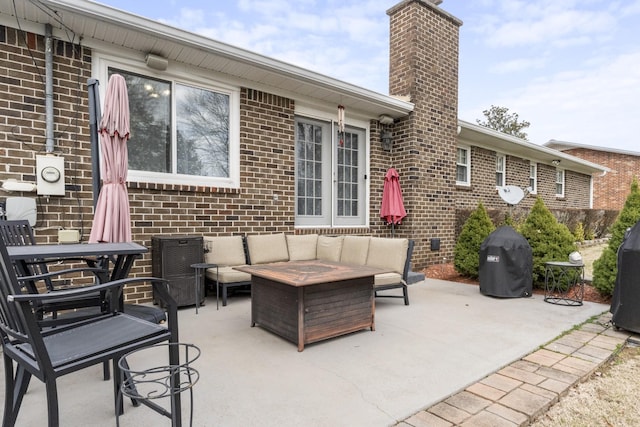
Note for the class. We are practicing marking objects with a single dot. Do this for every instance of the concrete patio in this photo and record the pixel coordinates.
(448, 338)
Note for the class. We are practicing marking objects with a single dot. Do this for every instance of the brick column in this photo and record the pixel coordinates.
(424, 47)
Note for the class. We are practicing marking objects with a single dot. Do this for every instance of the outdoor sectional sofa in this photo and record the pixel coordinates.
(228, 252)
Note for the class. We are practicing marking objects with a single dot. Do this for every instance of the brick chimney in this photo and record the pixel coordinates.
(423, 66)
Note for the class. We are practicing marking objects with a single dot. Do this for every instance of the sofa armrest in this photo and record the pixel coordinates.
(407, 262)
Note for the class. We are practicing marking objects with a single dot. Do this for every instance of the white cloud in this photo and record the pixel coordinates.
(631, 8)
(347, 40)
(518, 64)
(584, 106)
(553, 28)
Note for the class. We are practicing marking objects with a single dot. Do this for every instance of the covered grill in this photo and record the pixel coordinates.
(625, 304)
(506, 264)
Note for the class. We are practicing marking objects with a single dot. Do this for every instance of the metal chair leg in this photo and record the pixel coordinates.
(52, 403)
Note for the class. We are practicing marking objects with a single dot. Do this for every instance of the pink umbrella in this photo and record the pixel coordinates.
(392, 209)
(112, 221)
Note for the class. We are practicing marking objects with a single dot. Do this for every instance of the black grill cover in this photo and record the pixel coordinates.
(506, 264)
(625, 303)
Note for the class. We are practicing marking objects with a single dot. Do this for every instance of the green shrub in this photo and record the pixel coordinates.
(549, 240)
(466, 255)
(605, 268)
(578, 233)
(588, 234)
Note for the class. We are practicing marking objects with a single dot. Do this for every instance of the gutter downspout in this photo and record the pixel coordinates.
(48, 92)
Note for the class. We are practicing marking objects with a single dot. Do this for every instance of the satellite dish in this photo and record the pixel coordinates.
(512, 194)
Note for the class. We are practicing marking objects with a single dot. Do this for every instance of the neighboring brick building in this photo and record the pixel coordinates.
(610, 190)
(271, 158)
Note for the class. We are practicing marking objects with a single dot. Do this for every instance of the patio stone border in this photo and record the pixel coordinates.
(520, 392)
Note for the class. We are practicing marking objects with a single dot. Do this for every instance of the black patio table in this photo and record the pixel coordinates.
(123, 254)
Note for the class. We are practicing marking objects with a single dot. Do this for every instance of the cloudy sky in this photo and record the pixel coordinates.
(569, 67)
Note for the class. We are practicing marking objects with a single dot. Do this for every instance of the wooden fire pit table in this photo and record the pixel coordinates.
(310, 301)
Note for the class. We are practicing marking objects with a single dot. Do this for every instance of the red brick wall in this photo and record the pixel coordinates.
(611, 190)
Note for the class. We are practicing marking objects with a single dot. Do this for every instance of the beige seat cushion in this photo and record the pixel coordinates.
(227, 275)
(355, 250)
(265, 248)
(329, 248)
(224, 250)
(388, 253)
(387, 279)
(302, 247)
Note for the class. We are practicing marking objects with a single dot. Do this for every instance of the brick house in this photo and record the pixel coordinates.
(560, 179)
(226, 141)
(610, 189)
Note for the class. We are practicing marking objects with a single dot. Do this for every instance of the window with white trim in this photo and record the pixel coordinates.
(184, 130)
(500, 169)
(533, 177)
(463, 166)
(559, 182)
(330, 174)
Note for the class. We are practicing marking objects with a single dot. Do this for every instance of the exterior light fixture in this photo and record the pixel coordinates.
(386, 139)
(555, 162)
(156, 62)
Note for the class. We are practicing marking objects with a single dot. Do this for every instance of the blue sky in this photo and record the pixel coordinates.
(570, 67)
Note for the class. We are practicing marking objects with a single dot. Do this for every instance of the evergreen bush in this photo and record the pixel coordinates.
(605, 268)
(549, 240)
(466, 256)
(578, 233)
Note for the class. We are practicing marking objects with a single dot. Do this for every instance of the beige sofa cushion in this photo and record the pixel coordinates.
(388, 253)
(302, 247)
(224, 250)
(265, 248)
(387, 279)
(228, 275)
(329, 248)
(355, 250)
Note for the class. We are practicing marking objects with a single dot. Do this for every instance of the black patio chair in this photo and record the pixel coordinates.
(50, 352)
(20, 233)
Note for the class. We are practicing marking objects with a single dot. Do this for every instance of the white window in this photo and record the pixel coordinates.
(533, 177)
(463, 166)
(330, 174)
(184, 130)
(500, 169)
(559, 183)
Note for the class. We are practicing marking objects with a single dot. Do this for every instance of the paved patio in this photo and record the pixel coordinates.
(450, 337)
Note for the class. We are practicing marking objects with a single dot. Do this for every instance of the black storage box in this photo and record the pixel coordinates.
(172, 257)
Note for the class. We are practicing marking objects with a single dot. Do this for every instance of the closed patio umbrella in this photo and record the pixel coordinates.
(112, 220)
(392, 209)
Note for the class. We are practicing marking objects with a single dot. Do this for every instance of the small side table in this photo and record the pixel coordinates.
(200, 268)
(564, 283)
(163, 380)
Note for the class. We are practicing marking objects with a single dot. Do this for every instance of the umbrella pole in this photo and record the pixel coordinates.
(94, 120)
